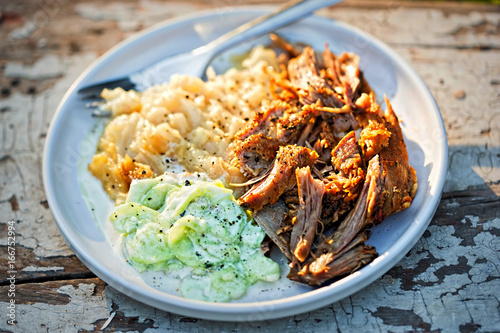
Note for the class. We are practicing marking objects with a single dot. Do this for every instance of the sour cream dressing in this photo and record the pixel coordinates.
(169, 281)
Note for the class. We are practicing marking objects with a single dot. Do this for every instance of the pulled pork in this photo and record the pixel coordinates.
(329, 163)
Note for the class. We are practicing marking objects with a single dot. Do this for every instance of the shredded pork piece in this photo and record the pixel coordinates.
(363, 214)
(329, 265)
(310, 193)
(347, 158)
(255, 154)
(281, 178)
(271, 219)
(311, 87)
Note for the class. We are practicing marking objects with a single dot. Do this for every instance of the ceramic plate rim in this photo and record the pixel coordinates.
(253, 310)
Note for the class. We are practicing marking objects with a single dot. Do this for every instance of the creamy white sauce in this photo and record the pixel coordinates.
(100, 206)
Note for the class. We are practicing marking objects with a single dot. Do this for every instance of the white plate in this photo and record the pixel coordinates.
(387, 73)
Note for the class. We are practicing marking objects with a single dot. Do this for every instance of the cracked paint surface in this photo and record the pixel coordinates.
(84, 308)
(21, 127)
(446, 303)
(448, 282)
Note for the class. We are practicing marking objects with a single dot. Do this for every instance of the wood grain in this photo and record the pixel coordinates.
(448, 282)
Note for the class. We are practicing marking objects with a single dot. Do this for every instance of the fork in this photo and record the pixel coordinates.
(197, 61)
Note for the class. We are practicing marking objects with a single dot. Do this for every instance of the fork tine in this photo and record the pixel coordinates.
(93, 96)
(94, 91)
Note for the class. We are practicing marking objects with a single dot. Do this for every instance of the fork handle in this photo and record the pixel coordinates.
(288, 13)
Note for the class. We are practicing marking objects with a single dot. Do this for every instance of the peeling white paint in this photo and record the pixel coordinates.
(427, 276)
(108, 321)
(493, 224)
(453, 205)
(50, 66)
(129, 307)
(420, 252)
(42, 269)
(83, 309)
(27, 120)
(471, 296)
(474, 220)
(441, 305)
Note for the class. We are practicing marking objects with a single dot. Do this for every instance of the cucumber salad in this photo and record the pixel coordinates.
(179, 221)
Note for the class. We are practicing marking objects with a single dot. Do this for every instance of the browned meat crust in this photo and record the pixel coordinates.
(342, 185)
(400, 179)
(347, 159)
(255, 153)
(281, 177)
(310, 86)
(256, 144)
(264, 122)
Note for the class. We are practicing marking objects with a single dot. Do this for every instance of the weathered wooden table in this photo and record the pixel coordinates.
(450, 281)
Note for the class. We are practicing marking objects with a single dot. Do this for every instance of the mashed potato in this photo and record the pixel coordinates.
(186, 122)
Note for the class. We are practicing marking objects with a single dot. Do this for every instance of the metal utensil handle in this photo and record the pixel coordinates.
(286, 14)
